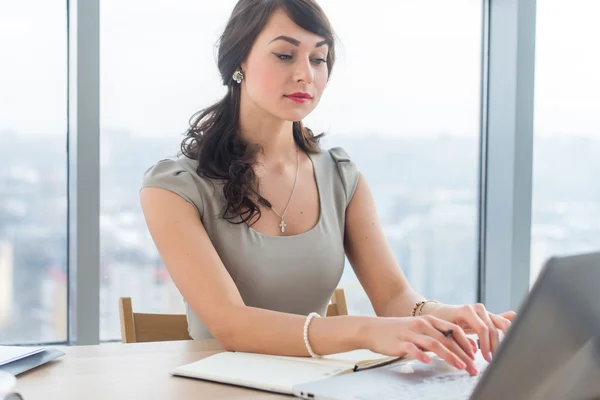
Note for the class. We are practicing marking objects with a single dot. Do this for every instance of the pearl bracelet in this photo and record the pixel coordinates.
(306, 342)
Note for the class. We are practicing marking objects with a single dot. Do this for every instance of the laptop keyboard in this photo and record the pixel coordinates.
(453, 386)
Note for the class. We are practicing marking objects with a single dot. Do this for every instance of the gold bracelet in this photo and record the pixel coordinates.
(416, 307)
(423, 305)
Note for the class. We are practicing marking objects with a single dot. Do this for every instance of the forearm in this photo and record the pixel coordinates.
(257, 330)
(401, 304)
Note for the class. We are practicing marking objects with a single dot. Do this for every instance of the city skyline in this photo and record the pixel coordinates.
(429, 217)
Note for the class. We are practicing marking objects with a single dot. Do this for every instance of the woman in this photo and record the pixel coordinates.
(253, 220)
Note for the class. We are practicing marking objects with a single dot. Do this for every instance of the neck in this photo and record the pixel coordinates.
(273, 135)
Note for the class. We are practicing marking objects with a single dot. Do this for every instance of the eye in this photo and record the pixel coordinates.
(283, 57)
(319, 61)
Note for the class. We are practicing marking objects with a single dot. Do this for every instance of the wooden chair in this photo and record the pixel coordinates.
(142, 327)
(338, 304)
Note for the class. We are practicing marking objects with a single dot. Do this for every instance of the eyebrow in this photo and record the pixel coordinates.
(295, 42)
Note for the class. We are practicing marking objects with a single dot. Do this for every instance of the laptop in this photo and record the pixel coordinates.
(552, 351)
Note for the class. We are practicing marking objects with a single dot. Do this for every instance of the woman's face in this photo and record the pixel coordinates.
(286, 60)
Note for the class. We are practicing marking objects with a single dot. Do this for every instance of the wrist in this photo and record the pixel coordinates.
(340, 334)
(363, 335)
(431, 308)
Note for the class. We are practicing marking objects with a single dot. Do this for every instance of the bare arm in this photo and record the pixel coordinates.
(387, 287)
(372, 259)
(199, 274)
(202, 279)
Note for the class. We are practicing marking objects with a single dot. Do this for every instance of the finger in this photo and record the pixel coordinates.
(452, 345)
(466, 328)
(474, 345)
(494, 338)
(481, 329)
(413, 351)
(500, 322)
(509, 315)
(429, 343)
(458, 335)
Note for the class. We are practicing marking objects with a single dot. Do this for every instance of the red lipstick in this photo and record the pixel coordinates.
(299, 97)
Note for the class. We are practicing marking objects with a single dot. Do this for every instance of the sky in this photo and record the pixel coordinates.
(405, 67)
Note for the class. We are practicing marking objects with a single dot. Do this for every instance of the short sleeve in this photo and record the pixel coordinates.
(347, 170)
(171, 175)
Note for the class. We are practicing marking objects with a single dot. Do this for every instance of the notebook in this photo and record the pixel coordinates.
(9, 354)
(279, 373)
(16, 360)
(32, 361)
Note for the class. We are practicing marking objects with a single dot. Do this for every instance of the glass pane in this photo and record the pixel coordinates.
(33, 191)
(566, 194)
(155, 73)
(418, 61)
(410, 78)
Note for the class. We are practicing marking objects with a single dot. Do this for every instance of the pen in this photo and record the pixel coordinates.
(449, 333)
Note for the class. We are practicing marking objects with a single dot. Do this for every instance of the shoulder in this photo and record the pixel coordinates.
(345, 169)
(168, 167)
(339, 155)
(178, 175)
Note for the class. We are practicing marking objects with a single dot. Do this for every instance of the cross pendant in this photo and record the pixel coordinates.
(282, 225)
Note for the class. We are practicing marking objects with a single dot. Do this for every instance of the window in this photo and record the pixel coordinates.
(33, 191)
(152, 81)
(566, 195)
(411, 79)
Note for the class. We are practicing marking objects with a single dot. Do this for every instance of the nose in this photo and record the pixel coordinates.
(304, 72)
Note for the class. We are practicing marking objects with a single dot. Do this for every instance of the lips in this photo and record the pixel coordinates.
(299, 97)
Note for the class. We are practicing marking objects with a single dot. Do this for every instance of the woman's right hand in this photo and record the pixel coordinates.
(414, 336)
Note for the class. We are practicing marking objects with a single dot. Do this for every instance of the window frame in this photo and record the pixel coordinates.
(83, 164)
(508, 66)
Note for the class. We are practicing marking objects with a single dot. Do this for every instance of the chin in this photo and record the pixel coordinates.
(294, 116)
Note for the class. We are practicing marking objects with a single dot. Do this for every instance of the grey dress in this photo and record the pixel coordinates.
(293, 274)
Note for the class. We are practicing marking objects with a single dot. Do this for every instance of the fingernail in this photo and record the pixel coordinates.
(472, 371)
(490, 356)
(427, 359)
(461, 365)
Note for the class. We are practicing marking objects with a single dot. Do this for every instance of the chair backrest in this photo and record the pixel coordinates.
(141, 327)
(338, 304)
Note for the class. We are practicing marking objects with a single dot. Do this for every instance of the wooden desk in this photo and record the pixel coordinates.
(129, 371)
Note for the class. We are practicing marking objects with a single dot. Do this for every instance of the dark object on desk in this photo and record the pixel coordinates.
(30, 362)
(11, 396)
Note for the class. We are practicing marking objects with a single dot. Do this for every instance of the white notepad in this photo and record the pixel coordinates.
(9, 354)
(277, 373)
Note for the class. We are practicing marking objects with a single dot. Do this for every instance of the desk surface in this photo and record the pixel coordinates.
(129, 371)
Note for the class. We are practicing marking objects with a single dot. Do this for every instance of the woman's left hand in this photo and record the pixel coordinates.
(475, 318)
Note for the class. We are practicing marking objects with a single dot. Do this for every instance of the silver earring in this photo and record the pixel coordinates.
(238, 76)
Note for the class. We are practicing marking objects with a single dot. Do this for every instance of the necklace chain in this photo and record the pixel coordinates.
(282, 224)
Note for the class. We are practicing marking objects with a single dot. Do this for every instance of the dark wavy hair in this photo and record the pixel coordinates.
(214, 139)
